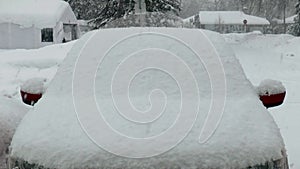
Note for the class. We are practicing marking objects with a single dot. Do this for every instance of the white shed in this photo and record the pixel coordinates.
(227, 21)
(36, 23)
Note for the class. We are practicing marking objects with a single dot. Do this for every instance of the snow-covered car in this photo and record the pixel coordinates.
(211, 116)
(11, 114)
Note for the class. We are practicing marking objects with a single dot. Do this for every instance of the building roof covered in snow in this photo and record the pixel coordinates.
(228, 17)
(84, 119)
(36, 13)
(288, 20)
(291, 19)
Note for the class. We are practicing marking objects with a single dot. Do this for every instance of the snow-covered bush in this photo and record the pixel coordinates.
(294, 29)
(270, 87)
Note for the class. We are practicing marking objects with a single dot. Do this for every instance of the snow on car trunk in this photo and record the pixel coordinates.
(56, 132)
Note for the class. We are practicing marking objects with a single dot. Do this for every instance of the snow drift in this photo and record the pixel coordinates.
(51, 135)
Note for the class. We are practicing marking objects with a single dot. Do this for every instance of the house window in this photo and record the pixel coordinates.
(47, 35)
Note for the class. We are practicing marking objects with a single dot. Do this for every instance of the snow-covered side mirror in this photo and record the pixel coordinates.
(271, 93)
(32, 90)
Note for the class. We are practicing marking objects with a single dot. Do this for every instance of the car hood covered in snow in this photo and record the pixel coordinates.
(58, 132)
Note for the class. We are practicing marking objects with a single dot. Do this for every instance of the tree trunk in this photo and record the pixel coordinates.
(140, 9)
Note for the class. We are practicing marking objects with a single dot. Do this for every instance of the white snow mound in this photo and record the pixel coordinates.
(51, 135)
(34, 86)
(270, 87)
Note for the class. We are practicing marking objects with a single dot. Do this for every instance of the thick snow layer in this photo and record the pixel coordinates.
(291, 19)
(18, 66)
(229, 17)
(50, 134)
(28, 13)
(275, 57)
(34, 86)
(11, 113)
(270, 87)
(288, 20)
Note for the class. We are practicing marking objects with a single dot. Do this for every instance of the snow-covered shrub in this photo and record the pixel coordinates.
(294, 29)
(270, 87)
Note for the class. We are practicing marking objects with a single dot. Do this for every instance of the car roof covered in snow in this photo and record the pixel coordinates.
(228, 17)
(56, 133)
(36, 13)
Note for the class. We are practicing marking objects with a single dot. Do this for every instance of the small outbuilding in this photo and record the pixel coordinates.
(228, 21)
(36, 23)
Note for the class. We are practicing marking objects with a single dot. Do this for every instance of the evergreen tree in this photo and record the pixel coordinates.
(163, 6)
(113, 9)
(294, 29)
(100, 12)
(87, 9)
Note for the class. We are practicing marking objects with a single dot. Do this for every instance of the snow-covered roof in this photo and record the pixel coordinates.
(228, 17)
(37, 13)
(53, 134)
(290, 19)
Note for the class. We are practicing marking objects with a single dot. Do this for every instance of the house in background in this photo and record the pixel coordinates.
(281, 27)
(36, 23)
(228, 21)
(290, 20)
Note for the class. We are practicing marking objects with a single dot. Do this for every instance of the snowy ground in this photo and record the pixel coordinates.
(276, 57)
(262, 57)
